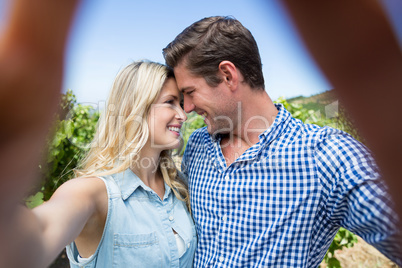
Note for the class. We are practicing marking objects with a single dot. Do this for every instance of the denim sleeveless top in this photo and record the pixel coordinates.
(139, 228)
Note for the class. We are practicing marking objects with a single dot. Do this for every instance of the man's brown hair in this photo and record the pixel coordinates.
(208, 42)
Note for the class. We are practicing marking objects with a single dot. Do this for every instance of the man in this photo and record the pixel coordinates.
(267, 190)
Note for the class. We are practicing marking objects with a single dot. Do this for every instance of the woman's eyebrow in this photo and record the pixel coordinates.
(176, 97)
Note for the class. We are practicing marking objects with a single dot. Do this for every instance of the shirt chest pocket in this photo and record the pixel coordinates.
(136, 250)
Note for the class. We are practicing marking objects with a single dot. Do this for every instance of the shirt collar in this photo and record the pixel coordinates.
(128, 182)
(277, 127)
(282, 119)
(273, 131)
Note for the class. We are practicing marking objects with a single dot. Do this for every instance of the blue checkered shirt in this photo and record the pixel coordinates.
(282, 201)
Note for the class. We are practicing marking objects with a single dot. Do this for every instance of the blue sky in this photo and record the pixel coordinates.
(107, 35)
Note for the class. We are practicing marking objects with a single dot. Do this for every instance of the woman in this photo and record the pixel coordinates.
(128, 208)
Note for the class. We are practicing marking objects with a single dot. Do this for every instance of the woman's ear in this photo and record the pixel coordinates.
(228, 72)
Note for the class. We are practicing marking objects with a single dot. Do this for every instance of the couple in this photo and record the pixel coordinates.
(264, 189)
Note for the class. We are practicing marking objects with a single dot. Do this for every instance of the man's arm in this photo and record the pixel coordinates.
(355, 47)
(355, 196)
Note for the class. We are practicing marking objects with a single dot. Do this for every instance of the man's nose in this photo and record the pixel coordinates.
(188, 105)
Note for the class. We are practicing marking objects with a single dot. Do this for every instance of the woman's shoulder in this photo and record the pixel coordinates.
(83, 181)
(83, 187)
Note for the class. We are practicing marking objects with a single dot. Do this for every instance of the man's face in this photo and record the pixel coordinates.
(213, 103)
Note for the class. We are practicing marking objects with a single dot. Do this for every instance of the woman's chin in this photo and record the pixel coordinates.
(172, 145)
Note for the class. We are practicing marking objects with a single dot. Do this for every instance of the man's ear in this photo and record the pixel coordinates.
(228, 72)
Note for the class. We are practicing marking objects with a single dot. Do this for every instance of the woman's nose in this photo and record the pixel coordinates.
(181, 115)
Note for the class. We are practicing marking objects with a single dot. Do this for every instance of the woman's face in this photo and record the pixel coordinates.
(166, 118)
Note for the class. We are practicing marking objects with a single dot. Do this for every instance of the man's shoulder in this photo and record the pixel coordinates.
(322, 133)
(323, 137)
(331, 143)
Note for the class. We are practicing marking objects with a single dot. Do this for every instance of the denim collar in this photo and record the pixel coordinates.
(128, 182)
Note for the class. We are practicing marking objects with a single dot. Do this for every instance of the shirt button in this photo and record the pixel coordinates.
(188, 245)
(225, 218)
(226, 177)
(221, 259)
(171, 218)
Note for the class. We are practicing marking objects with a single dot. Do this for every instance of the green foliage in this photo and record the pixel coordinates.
(342, 239)
(324, 112)
(73, 129)
(308, 116)
(34, 200)
(194, 122)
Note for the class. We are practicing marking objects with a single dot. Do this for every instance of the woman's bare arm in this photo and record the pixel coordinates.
(39, 235)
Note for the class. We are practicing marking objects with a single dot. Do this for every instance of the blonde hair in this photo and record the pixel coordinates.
(122, 129)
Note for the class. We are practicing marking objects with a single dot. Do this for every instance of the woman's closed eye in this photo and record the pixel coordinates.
(173, 102)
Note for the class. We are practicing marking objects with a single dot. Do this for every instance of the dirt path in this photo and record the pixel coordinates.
(362, 255)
